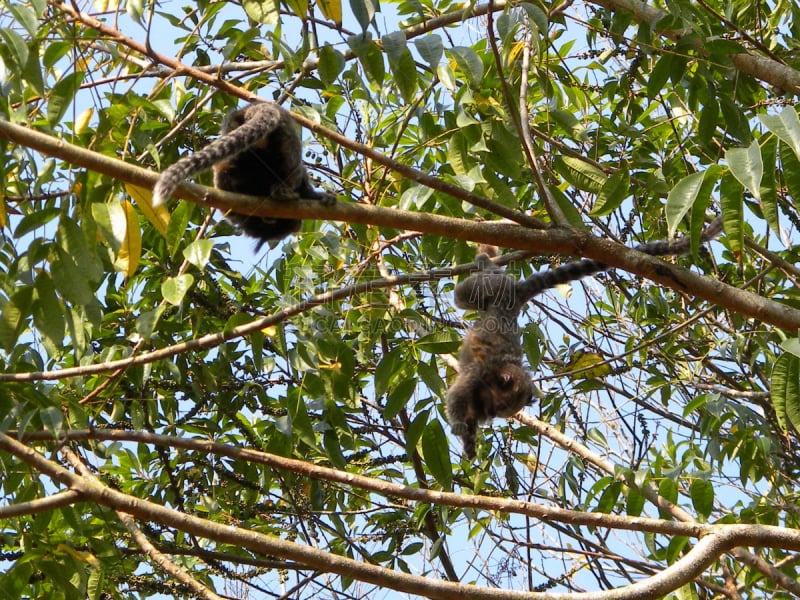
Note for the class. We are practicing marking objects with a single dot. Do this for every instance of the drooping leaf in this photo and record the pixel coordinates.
(174, 288)
(614, 191)
(62, 95)
(265, 12)
(469, 63)
(582, 174)
(786, 126)
(436, 451)
(332, 10)
(198, 252)
(681, 198)
(48, 312)
(331, 64)
(159, 216)
(430, 48)
(747, 166)
(702, 495)
(785, 390)
(130, 250)
(732, 201)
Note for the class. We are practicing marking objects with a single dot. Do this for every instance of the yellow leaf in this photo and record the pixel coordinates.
(159, 217)
(82, 122)
(3, 215)
(331, 9)
(80, 555)
(270, 331)
(334, 366)
(589, 365)
(131, 249)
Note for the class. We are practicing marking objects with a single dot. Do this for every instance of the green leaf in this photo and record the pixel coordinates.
(469, 63)
(680, 200)
(608, 499)
(331, 63)
(24, 16)
(53, 420)
(110, 219)
(147, 321)
(415, 197)
(747, 166)
(458, 155)
(768, 189)
(62, 95)
(786, 126)
(364, 11)
(199, 252)
(70, 279)
(302, 428)
(702, 494)
(48, 312)
(785, 390)
(581, 174)
(736, 122)
(178, 223)
(265, 12)
(370, 57)
(791, 345)
(72, 240)
(634, 504)
(405, 75)
(538, 16)
(570, 212)
(13, 316)
(388, 369)
(707, 125)
(659, 75)
(436, 452)
(394, 44)
(668, 489)
(174, 289)
(731, 194)
(612, 194)
(430, 48)
(398, 397)
(298, 7)
(16, 45)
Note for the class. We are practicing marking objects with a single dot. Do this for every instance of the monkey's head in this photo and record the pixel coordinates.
(506, 390)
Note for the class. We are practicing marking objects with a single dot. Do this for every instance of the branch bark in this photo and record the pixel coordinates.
(553, 241)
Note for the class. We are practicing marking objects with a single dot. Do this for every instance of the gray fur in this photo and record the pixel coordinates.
(491, 381)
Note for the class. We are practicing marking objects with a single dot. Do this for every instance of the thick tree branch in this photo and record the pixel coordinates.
(553, 241)
(721, 538)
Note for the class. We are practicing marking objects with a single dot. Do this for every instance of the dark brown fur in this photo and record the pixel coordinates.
(259, 153)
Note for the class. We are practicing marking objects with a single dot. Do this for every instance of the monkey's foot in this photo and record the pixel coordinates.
(327, 198)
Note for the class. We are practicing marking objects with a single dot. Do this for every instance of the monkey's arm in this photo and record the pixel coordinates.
(460, 404)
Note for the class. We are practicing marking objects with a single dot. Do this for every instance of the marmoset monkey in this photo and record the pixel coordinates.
(258, 153)
(491, 381)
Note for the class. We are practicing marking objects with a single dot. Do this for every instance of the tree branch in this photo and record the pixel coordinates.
(556, 240)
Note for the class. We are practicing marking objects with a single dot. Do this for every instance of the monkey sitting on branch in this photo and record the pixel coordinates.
(259, 153)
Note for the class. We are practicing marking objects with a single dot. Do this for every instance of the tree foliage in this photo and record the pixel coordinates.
(184, 418)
